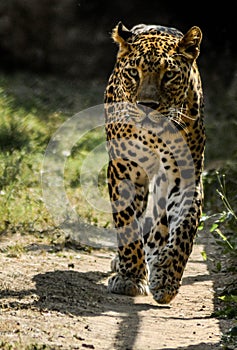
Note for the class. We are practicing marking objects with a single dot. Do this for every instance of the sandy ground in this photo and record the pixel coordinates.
(53, 299)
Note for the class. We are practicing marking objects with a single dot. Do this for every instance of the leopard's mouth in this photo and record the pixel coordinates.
(152, 116)
(159, 122)
(142, 115)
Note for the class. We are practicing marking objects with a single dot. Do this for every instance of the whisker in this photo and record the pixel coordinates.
(180, 126)
(174, 115)
(186, 116)
(177, 120)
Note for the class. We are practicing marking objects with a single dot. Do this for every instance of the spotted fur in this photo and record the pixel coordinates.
(156, 138)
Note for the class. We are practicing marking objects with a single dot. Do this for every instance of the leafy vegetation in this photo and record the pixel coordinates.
(222, 223)
(28, 120)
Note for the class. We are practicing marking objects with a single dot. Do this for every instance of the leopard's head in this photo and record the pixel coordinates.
(155, 69)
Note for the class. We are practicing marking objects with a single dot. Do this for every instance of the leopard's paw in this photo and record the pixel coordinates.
(163, 285)
(164, 295)
(119, 284)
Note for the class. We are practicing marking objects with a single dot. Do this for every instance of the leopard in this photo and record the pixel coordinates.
(155, 136)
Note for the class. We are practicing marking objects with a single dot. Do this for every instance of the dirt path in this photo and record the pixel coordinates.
(58, 300)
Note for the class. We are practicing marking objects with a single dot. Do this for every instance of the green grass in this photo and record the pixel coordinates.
(31, 110)
(22, 142)
(85, 159)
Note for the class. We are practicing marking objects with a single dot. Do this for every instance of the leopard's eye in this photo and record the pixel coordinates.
(168, 75)
(133, 73)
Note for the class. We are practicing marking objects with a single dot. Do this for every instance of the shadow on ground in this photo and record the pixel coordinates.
(84, 294)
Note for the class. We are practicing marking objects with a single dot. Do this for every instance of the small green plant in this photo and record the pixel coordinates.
(223, 194)
(229, 339)
(224, 219)
(223, 226)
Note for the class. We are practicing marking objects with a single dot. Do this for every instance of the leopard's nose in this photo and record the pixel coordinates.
(147, 106)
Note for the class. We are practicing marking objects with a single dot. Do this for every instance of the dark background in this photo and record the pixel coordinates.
(71, 38)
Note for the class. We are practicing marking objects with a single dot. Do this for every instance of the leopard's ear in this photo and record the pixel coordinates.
(120, 35)
(189, 45)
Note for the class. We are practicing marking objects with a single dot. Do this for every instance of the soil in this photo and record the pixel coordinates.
(54, 298)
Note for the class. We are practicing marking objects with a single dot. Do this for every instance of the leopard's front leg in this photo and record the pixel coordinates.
(183, 210)
(128, 198)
